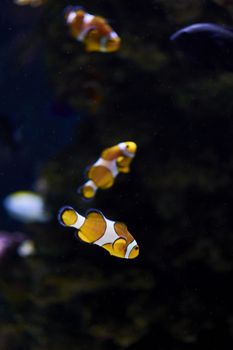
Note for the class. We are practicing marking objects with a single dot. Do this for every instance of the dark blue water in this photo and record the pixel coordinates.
(28, 99)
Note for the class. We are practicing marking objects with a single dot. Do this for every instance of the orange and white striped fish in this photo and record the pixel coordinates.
(93, 31)
(95, 228)
(102, 174)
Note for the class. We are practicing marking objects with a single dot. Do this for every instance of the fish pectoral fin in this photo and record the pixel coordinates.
(93, 31)
(124, 170)
(119, 247)
(108, 247)
(94, 214)
(123, 164)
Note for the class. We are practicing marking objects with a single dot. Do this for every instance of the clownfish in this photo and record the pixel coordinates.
(96, 229)
(33, 3)
(93, 31)
(102, 173)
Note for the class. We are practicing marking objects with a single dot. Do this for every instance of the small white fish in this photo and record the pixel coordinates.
(26, 206)
(26, 248)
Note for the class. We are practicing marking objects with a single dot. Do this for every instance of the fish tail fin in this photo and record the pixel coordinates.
(67, 216)
(88, 190)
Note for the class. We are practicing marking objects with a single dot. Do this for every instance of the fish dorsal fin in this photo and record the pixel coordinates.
(122, 231)
(120, 228)
(71, 8)
(119, 247)
(93, 228)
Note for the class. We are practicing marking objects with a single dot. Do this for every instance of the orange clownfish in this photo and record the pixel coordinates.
(96, 229)
(102, 173)
(33, 3)
(93, 31)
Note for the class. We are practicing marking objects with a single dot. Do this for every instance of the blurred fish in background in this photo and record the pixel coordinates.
(26, 206)
(92, 30)
(15, 243)
(33, 3)
(207, 45)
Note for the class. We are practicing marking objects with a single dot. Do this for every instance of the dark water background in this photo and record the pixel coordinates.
(177, 200)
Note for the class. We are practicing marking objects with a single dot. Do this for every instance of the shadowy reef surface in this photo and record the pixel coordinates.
(177, 200)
